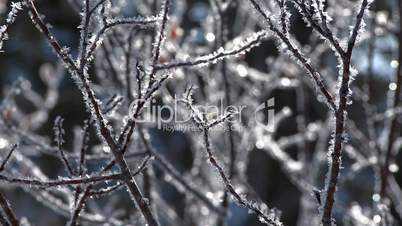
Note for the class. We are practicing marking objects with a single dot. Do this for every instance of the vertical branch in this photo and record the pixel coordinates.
(283, 37)
(7, 158)
(340, 117)
(84, 147)
(12, 15)
(138, 77)
(59, 133)
(160, 36)
(8, 211)
(147, 184)
(84, 35)
(82, 160)
(336, 152)
(79, 207)
(128, 129)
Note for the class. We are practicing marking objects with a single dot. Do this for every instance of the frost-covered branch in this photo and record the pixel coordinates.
(335, 152)
(263, 215)
(93, 104)
(59, 133)
(248, 106)
(8, 211)
(160, 36)
(305, 9)
(7, 158)
(96, 39)
(201, 121)
(55, 183)
(246, 45)
(296, 53)
(16, 7)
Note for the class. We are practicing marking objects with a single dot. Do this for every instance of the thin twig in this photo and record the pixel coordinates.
(60, 182)
(7, 158)
(103, 127)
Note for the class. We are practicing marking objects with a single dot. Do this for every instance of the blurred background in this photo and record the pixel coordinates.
(27, 55)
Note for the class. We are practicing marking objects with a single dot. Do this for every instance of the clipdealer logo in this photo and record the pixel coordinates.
(174, 117)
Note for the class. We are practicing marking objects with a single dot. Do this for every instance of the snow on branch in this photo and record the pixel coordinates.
(16, 7)
(241, 46)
